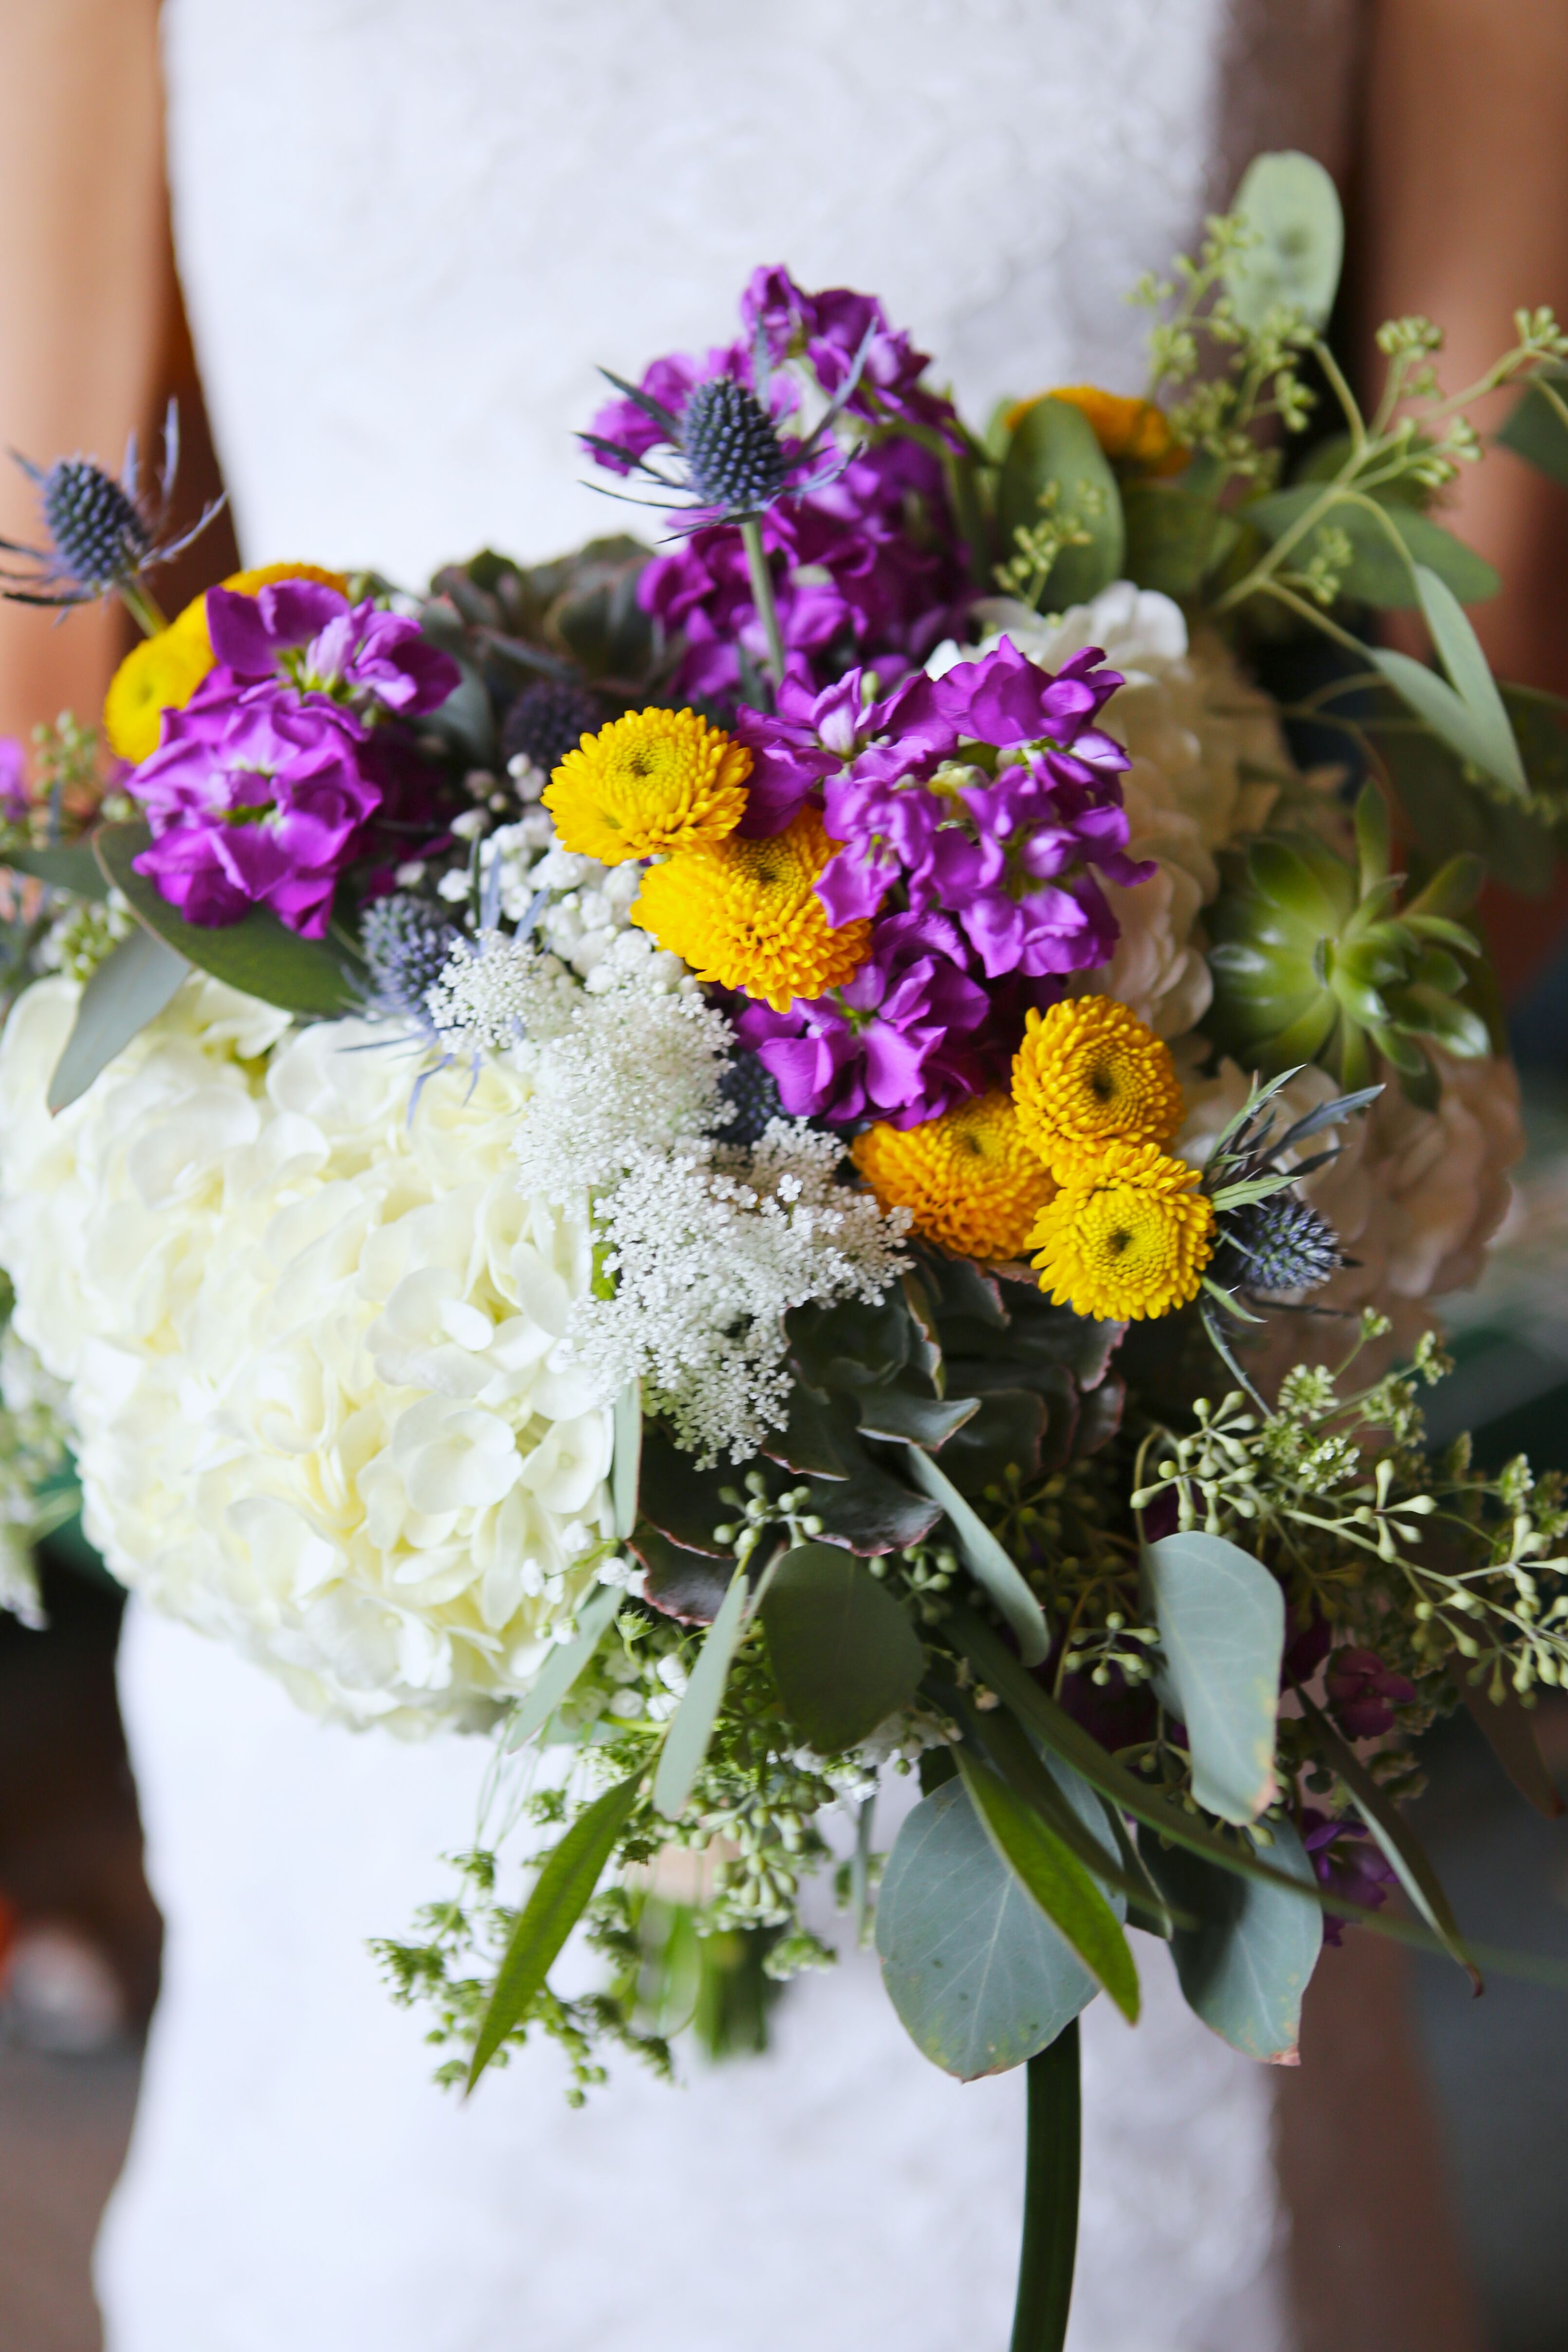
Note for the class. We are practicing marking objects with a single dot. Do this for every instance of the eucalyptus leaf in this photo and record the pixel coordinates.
(561, 1892)
(258, 954)
(1246, 1966)
(1291, 205)
(1173, 537)
(1053, 449)
(627, 1457)
(691, 1726)
(986, 1560)
(74, 868)
(1537, 428)
(564, 1666)
(1386, 544)
(129, 988)
(1221, 1619)
(1459, 651)
(844, 1653)
(1401, 1847)
(1057, 1880)
(1510, 1735)
(979, 1976)
(1451, 718)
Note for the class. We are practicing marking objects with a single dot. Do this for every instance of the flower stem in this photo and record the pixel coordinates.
(762, 596)
(1050, 2198)
(142, 608)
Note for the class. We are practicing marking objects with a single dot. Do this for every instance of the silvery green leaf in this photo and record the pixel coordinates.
(979, 1976)
(564, 1666)
(1221, 1619)
(844, 1653)
(691, 1726)
(1292, 207)
(131, 987)
(1459, 651)
(1245, 1968)
(1451, 718)
(1058, 1881)
(986, 1560)
(627, 1456)
(1053, 449)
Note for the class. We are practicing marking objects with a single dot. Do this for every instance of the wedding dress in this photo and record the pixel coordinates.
(407, 233)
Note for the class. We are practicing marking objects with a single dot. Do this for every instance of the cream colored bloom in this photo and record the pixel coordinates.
(311, 1343)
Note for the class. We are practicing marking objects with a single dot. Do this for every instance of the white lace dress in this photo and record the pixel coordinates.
(407, 233)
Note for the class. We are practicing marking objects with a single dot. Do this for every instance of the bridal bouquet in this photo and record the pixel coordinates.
(825, 1155)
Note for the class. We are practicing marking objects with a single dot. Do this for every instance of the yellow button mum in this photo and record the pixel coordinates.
(969, 1182)
(1089, 1073)
(1131, 432)
(1126, 1236)
(164, 672)
(653, 782)
(744, 913)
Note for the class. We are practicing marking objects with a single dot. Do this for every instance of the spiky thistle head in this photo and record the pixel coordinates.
(1277, 1247)
(731, 446)
(750, 1090)
(407, 945)
(100, 535)
(94, 527)
(549, 719)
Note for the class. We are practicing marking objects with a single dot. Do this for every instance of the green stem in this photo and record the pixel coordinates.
(142, 607)
(762, 596)
(1050, 2198)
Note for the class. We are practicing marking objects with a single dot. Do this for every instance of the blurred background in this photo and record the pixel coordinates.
(79, 1931)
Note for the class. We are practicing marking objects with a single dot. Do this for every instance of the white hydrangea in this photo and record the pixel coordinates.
(709, 1249)
(1412, 1195)
(1207, 763)
(312, 1347)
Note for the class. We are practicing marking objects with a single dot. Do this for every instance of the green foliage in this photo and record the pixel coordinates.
(844, 1654)
(1056, 1878)
(1222, 1621)
(1246, 1964)
(129, 988)
(1295, 245)
(978, 1974)
(1059, 510)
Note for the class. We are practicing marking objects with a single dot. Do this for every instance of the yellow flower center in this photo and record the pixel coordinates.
(651, 782)
(968, 1179)
(745, 914)
(1126, 1237)
(1089, 1073)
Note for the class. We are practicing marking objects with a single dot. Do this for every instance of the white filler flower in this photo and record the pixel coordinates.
(312, 1346)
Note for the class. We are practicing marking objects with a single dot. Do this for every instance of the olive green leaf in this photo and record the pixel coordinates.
(843, 1653)
(1058, 1881)
(691, 1726)
(986, 1560)
(131, 987)
(564, 1666)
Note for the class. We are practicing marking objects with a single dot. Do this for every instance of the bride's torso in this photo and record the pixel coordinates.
(408, 232)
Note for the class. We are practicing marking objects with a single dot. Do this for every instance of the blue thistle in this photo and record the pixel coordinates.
(751, 1091)
(734, 457)
(1279, 1246)
(101, 535)
(545, 721)
(406, 946)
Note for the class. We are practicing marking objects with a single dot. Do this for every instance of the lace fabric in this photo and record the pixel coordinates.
(407, 235)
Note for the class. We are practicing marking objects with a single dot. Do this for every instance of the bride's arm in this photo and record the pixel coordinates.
(1463, 198)
(83, 279)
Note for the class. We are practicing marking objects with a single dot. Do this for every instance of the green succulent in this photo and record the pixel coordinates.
(1315, 960)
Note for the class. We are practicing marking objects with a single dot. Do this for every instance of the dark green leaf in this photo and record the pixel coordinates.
(1385, 547)
(1289, 203)
(691, 1726)
(1174, 537)
(1510, 1735)
(986, 1561)
(1221, 1619)
(1004, 1435)
(843, 1653)
(1246, 1966)
(1537, 429)
(561, 1892)
(258, 954)
(1058, 1881)
(899, 1414)
(1060, 1795)
(690, 1585)
(978, 1974)
(1053, 447)
(75, 868)
(1401, 1847)
(563, 1666)
(684, 1502)
(871, 1512)
(818, 1438)
(131, 987)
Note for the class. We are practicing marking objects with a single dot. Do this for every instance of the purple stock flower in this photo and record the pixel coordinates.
(1345, 1860)
(832, 331)
(14, 803)
(305, 631)
(1363, 1692)
(255, 798)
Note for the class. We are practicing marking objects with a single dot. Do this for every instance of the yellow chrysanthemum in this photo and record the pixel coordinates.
(1128, 1235)
(1089, 1073)
(163, 673)
(744, 913)
(654, 782)
(1131, 432)
(968, 1179)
